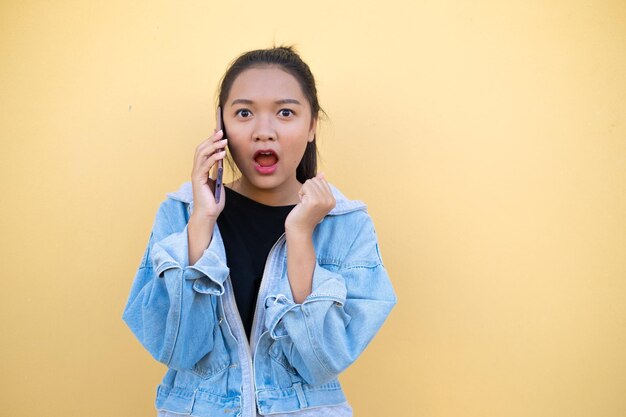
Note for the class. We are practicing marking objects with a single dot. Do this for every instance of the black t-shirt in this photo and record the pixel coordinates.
(249, 230)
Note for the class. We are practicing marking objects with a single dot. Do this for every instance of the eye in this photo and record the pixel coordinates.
(286, 112)
(245, 113)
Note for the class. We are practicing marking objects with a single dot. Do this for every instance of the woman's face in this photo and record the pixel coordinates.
(268, 122)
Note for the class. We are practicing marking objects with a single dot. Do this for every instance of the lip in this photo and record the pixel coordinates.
(269, 169)
(272, 151)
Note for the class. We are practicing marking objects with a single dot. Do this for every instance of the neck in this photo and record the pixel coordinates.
(284, 195)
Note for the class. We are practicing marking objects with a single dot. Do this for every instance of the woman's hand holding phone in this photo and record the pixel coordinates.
(205, 209)
(208, 153)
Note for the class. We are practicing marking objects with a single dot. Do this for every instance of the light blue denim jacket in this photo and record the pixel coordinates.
(186, 317)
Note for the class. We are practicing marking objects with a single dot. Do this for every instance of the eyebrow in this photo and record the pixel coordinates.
(283, 101)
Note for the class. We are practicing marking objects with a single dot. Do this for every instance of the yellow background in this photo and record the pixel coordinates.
(488, 139)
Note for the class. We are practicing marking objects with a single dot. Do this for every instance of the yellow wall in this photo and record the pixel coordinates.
(488, 139)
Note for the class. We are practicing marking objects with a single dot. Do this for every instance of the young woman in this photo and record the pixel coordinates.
(257, 303)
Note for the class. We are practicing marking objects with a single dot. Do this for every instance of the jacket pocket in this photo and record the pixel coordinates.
(217, 360)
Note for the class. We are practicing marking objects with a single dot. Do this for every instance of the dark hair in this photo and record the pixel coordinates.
(286, 58)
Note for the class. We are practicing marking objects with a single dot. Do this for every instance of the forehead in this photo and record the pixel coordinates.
(271, 83)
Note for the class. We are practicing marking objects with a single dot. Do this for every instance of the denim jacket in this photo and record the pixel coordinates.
(186, 317)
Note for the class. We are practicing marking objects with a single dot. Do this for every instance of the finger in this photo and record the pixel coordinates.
(326, 194)
(305, 190)
(321, 178)
(209, 171)
(319, 187)
(217, 146)
(211, 149)
(215, 137)
(326, 186)
(318, 180)
(205, 166)
(211, 160)
(211, 140)
(205, 161)
(313, 189)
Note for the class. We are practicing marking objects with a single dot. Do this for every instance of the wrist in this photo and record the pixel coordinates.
(299, 231)
(197, 221)
(200, 217)
(199, 236)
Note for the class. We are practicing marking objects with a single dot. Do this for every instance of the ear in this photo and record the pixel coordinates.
(312, 130)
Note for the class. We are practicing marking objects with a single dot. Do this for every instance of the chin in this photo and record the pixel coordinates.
(265, 182)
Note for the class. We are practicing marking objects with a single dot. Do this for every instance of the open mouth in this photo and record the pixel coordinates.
(266, 160)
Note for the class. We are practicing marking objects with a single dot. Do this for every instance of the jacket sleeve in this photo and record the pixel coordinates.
(170, 308)
(327, 332)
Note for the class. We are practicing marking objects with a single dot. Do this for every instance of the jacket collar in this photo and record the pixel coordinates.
(343, 204)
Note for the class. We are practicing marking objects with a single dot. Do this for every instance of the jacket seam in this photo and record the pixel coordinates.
(314, 343)
(360, 266)
(356, 236)
(178, 314)
(146, 259)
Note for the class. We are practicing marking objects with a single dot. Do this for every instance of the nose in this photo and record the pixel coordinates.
(264, 129)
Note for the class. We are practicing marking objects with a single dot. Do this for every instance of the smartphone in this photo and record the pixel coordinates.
(220, 163)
